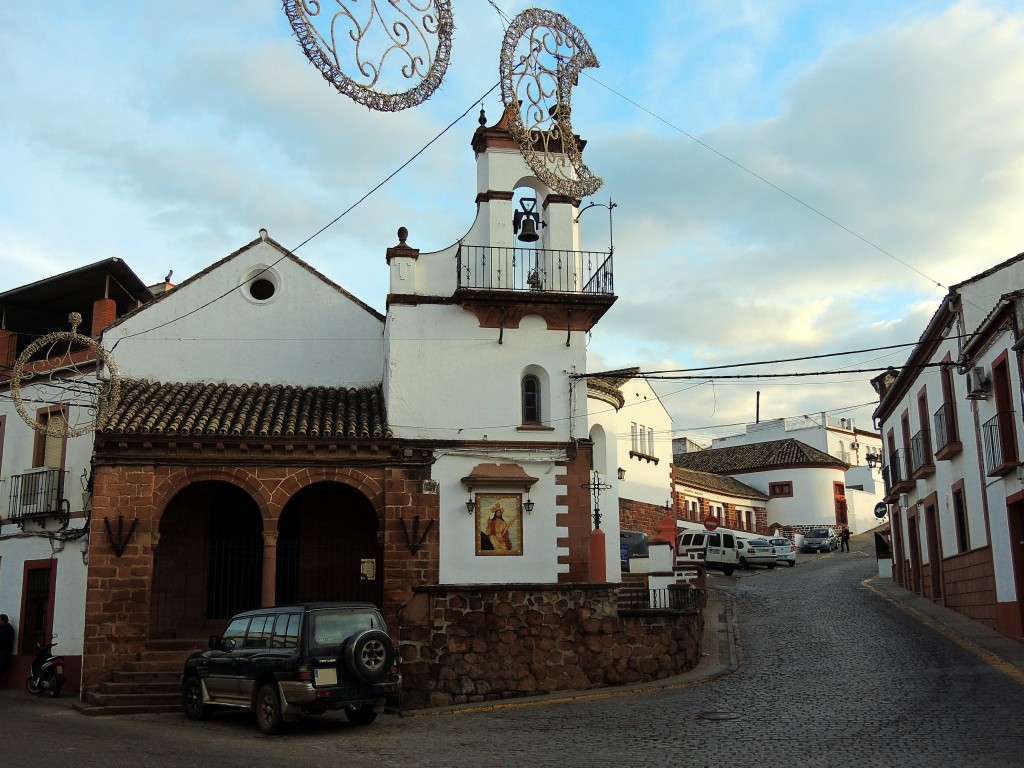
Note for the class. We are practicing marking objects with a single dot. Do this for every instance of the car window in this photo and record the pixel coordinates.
(286, 631)
(233, 634)
(728, 539)
(335, 627)
(258, 635)
(714, 540)
(687, 538)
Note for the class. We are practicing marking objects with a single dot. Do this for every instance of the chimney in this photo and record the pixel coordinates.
(104, 312)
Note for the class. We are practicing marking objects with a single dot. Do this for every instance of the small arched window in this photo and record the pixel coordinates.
(531, 400)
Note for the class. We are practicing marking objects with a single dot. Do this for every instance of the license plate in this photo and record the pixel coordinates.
(325, 676)
(60, 670)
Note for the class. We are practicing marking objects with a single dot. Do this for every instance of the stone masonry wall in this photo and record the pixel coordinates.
(482, 642)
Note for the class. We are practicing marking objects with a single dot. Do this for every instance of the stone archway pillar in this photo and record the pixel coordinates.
(268, 594)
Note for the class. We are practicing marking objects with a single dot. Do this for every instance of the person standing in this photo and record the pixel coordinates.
(844, 537)
(6, 645)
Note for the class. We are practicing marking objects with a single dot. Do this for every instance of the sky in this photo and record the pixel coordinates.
(790, 178)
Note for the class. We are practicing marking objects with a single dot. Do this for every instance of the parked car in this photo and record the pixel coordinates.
(296, 659)
(717, 549)
(820, 540)
(785, 551)
(755, 552)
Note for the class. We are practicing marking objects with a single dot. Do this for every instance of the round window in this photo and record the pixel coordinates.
(261, 289)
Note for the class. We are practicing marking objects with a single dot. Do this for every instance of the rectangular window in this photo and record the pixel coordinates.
(650, 442)
(963, 543)
(635, 435)
(780, 489)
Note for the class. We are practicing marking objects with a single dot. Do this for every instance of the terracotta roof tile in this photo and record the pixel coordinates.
(709, 481)
(250, 410)
(756, 456)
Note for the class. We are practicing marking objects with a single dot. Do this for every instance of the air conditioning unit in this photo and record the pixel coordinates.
(37, 492)
(904, 500)
(978, 384)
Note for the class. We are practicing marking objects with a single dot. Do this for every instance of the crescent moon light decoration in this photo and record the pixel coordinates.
(542, 56)
(410, 39)
(63, 377)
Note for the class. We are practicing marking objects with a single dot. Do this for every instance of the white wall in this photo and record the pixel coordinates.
(458, 533)
(813, 499)
(309, 333)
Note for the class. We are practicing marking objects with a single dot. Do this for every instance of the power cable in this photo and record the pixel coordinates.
(322, 229)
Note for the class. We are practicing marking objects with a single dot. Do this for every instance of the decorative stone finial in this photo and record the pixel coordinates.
(483, 118)
(403, 235)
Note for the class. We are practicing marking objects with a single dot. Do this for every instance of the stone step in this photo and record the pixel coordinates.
(148, 699)
(167, 676)
(92, 710)
(116, 687)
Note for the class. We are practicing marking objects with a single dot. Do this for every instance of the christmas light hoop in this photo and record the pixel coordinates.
(404, 37)
(64, 383)
(531, 79)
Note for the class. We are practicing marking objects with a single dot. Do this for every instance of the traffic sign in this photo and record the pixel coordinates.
(881, 510)
(711, 522)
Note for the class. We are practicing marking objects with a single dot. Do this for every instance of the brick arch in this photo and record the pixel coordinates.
(180, 479)
(370, 487)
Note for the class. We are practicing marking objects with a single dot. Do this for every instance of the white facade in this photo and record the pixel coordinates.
(221, 325)
(953, 443)
(466, 328)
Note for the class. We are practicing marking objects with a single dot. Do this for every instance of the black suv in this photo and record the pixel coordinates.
(295, 659)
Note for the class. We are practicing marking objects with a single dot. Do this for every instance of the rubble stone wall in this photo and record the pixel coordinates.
(481, 643)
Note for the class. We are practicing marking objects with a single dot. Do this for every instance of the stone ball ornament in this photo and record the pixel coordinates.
(59, 372)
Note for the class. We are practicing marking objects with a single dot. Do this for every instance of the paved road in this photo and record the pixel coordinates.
(829, 674)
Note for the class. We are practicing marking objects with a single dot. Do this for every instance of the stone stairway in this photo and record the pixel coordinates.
(150, 683)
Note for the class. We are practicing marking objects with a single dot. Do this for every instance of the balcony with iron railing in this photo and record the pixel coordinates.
(36, 495)
(895, 475)
(921, 459)
(947, 436)
(534, 270)
(999, 440)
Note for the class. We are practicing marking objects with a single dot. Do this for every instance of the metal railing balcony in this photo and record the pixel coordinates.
(894, 472)
(36, 493)
(945, 427)
(920, 451)
(499, 268)
(999, 442)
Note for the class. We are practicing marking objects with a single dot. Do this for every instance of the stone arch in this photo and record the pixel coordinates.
(178, 480)
(369, 486)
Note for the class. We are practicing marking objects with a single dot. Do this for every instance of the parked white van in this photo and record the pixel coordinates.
(719, 547)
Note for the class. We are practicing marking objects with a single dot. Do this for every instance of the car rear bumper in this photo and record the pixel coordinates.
(299, 696)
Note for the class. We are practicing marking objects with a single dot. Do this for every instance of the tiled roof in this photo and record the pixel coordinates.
(709, 481)
(756, 456)
(247, 410)
(608, 386)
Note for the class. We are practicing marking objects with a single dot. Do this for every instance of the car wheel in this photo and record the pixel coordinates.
(792, 563)
(363, 715)
(744, 564)
(728, 571)
(369, 655)
(268, 710)
(770, 566)
(192, 700)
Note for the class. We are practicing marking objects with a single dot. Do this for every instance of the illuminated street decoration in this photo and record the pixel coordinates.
(542, 56)
(63, 380)
(393, 39)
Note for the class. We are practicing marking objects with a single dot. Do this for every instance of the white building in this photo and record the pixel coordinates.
(45, 477)
(951, 427)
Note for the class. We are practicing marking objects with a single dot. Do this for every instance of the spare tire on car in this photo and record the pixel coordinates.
(369, 655)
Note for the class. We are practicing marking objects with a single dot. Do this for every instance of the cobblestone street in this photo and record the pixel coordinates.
(829, 673)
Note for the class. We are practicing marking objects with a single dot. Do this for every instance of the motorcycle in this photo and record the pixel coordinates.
(47, 672)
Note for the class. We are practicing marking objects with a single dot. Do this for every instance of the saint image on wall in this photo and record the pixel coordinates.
(499, 524)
